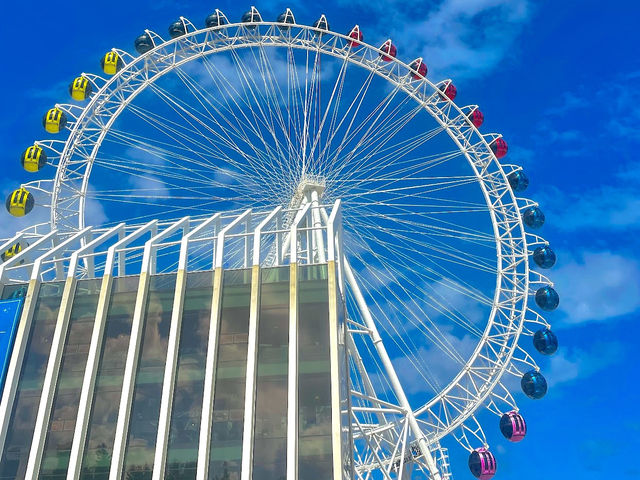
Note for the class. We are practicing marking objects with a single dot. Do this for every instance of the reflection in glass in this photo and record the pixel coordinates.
(16, 290)
(106, 401)
(182, 450)
(314, 375)
(25, 407)
(145, 409)
(55, 459)
(270, 430)
(228, 406)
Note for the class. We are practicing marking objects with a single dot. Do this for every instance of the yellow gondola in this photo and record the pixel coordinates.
(33, 158)
(11, 252)
(80, 89)
(111, 63)
(20, 202)
(54, 120)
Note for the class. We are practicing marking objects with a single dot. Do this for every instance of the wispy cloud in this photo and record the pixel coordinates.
(604, 208)
(464, 38)
(574, 363)
(597, 286)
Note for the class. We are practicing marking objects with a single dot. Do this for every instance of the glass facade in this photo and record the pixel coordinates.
(315, 461)
(231, 366)
(55, 459)
(270, 429)
(314, 375)
(182, 449)
(16, 290)
(25, 406)
(145, 409)
(104, 412)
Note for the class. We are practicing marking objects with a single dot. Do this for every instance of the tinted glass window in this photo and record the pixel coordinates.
(145, 409)
(64, 411)
(314, 387)
(25, 408)
(106, 401)
(270, 429)
(228, 407)
(182, 450)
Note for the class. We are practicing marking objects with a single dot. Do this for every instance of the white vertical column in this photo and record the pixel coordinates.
(17, 359)
(204, 444)
(133, 353)
(252, 353)
(292, 363)
(173, 344)
(334, 347)
(390, 370)
(317, 227)
(55, 354)
(22, 334)
(97, 335)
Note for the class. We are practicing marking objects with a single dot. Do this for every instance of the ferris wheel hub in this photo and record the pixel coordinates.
(310, 186)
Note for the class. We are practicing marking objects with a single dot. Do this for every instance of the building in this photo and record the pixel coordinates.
(205, 346)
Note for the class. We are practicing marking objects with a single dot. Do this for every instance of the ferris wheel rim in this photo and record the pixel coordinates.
(258, 40)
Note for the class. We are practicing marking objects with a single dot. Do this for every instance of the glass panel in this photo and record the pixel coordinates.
(314, 375)
(18, 290)
(145, 409)
(228, 407)
(25, 408)
(182, 450)
(106, 401)
(270, 430)
(55, 459)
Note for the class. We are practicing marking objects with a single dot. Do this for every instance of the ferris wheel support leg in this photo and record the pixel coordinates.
(393, 377)
(317, 228)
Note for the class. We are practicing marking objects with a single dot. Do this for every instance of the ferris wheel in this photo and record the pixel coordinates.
(444, 268)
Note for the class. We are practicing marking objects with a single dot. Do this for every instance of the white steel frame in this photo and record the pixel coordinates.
(451, 410)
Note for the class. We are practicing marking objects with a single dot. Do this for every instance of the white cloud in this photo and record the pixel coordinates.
(94, 213)
(603, 208)
(597, 286)
(465, 38)
(570, 364)
(149, 186)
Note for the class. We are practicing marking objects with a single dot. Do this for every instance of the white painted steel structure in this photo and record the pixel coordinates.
(389, 433)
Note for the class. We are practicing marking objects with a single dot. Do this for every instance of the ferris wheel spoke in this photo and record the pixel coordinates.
(333, 104)
(415, 316)
(225, 137)
(258, 105)
(380, 138)
(161, 125)
(171, 160)
(373, 117)
(398, 156)
(279, 102)
(428, 292)
(349, 117)
(438, 250)
(261, 156)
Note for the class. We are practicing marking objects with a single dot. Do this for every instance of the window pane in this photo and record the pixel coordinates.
(17, 290)
(25, 408)
(145, 409)
(270, 430)
(106, 401)
(314, 375)
(182, 453)
(55, 458)
(231, 366)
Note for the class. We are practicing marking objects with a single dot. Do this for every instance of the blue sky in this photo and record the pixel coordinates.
(560, 80)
